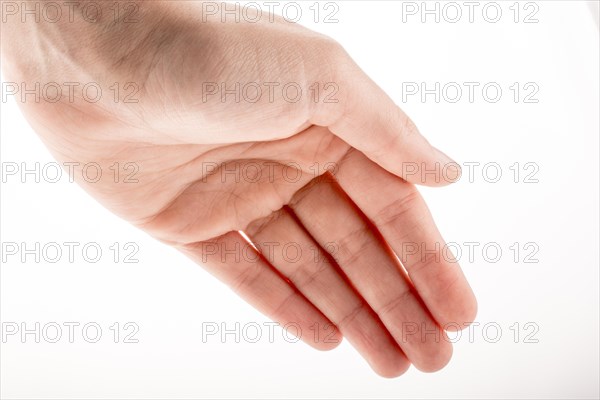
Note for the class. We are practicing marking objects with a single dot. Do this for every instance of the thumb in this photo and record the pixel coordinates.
(366, 118)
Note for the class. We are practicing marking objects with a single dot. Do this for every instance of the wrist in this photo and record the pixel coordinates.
(78, 39)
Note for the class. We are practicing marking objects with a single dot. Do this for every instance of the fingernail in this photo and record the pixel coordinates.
(451, 170)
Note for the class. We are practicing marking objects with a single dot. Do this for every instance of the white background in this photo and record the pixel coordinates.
(169, 297)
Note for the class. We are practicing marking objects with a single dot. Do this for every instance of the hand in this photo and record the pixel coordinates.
(318, 186)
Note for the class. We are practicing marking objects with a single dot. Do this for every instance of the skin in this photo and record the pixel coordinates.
(350, 206)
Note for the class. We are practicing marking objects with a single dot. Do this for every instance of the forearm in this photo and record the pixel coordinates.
(79, 39)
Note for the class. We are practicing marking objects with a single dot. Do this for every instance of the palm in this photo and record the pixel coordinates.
(185, 193)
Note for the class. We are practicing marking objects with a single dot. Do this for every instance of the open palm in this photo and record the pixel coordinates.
(315, 179)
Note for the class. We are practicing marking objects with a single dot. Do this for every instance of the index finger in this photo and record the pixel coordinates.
(399, 212)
